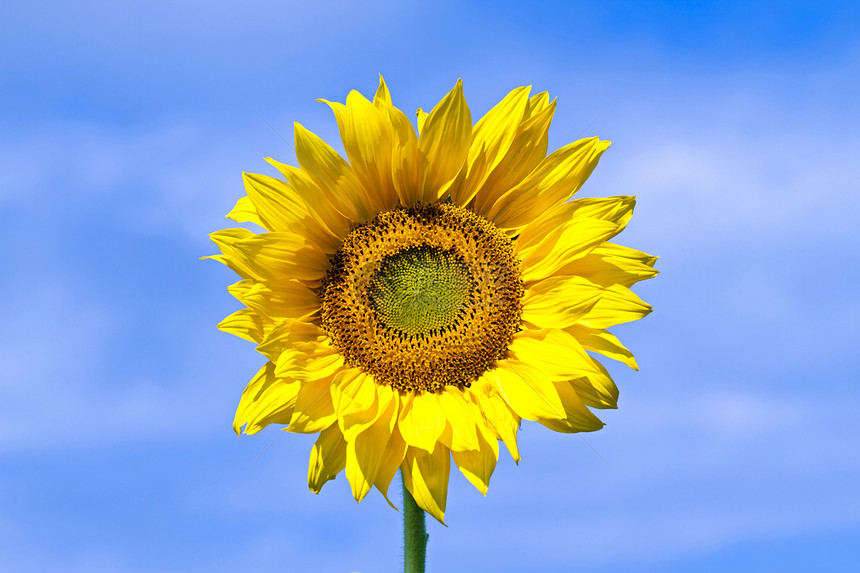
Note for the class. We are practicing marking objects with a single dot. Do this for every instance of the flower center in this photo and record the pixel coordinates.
(423, 297)
(420, 290)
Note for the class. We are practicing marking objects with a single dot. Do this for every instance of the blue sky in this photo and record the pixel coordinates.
(124, 129)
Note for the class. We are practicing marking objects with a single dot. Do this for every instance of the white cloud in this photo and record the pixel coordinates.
(60, 393)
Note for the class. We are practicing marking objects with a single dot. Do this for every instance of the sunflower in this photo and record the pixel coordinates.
(419, 300)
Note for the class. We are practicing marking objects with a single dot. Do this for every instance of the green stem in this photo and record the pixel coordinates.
(414, 535)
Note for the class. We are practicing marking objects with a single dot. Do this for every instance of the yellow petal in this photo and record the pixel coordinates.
(553, 352)
(241, 288)
(529, 391)
(245, 212)
(617, 305)
(422, 420)
(245, 324)
(358, 401)
(537, 103)
(578, 418)
(498, 128)
(497, 413)
(224, 239)
(352, 391)
(282, 300)
(382, 95)
(328, 458)
(368, 139)
(286, 334)
(270, 256)
(309, 361)
(426, 477)
(365, 453)
(561, 245)
(266, 400)
(422, 117)
(314, 411)
(390, 463)
(276, 203)
(553, 181)
(283, 208)
(492, 137)
(404, 152)
(321, 206)
(478, 465)
(616, 210)
(333, 174)
(597, 392)
(600, 340)
(526, 151)
(558, 355)
(559, 301)
(613, 251)
(610, 264)
(444, 144)
(562, 356)
(460, 432)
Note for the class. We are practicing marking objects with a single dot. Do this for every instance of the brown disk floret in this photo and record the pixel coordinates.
(428, 358)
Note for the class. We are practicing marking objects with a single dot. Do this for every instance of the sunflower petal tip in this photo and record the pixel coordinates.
(394, 507)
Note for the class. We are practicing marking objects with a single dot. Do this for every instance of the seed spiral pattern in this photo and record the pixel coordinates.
(420, 290)
(423, 297)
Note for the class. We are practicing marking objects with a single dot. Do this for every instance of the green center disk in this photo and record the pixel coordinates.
(420, 290)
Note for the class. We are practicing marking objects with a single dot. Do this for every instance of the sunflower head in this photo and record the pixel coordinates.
(418, 299)
(423, 297)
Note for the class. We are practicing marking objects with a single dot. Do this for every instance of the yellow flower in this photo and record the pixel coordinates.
(416, 302)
